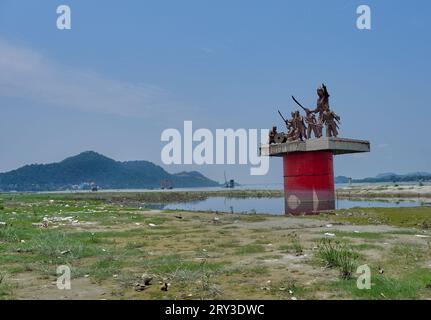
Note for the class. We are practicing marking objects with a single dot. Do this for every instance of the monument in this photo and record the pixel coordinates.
(308, 162)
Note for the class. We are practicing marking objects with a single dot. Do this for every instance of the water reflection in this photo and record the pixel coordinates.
(268, 205)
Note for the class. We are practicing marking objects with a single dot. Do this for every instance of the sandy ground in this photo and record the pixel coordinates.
(271, 232)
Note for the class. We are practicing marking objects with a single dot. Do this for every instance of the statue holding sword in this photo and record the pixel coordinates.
(326, 116)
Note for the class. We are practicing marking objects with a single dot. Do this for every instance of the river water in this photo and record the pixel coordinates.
(273, 206)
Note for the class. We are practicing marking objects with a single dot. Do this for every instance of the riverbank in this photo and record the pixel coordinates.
(150, 196)
(110, 246)
(403, 191)
(354, 192)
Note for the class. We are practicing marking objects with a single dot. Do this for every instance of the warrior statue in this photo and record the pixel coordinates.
(330, 119)
(322, 102)
(291, 128)
(312, 125)
(272, 135)
(299, 127)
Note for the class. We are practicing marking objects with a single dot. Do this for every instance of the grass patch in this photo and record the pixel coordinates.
(105, 267)
(408, 217)
(61, 246)
(8, 234)
(6, 289)
(337, 255)
(250, 249)
(414, 285)
(253, 218)
(408, 253)
(294, 246)
(172, 263)
(365, 246)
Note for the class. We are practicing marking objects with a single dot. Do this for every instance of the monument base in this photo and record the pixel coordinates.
(308, 182)
(309, 171)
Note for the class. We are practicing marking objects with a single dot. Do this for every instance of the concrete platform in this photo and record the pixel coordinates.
(336, 145)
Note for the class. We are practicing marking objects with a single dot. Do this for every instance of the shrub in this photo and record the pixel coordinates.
(337, 255)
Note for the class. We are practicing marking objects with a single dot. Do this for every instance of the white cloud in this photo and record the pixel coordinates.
(28, 74)
(207, 50)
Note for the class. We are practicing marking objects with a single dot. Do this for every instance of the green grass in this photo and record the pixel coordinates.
(408, 217)
(171, 263)
(6, 289)
(337, 255)
(232, 243)
(410, 286)
(250, 249)
(105, 267)
(55, 245)
(365, 246)
(408, 253)
(174, 251)
(8, 234)
(294, 245)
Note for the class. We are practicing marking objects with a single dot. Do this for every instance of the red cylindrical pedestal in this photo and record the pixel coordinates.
(308, 182)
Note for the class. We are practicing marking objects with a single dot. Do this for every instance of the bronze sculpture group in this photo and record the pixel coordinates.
(302, 127)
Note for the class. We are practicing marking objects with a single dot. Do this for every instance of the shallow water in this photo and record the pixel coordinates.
(267, 205)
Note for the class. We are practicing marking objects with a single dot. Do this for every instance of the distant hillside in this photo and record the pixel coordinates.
(389, 177)
(90, 167)
(341, 179)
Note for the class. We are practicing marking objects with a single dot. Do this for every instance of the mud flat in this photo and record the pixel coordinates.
(112, 249)
(385, 191)
(150, 196)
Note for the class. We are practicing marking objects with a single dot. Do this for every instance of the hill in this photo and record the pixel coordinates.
(389, 177)
(80, 171)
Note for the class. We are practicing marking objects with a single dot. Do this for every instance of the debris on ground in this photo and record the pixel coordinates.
(216, 220)
(146, 279)
(164, 287)
(140, 287)
(327, 234)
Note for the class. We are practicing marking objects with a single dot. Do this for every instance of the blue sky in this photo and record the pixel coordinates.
(128, 70)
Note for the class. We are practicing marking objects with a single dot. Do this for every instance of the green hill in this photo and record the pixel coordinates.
(90, 167)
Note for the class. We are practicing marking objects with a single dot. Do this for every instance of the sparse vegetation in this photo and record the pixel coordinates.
(6, 288)
(406, 217)
(250, 249)
(110, 245)
(294, 245)
(337, 255)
